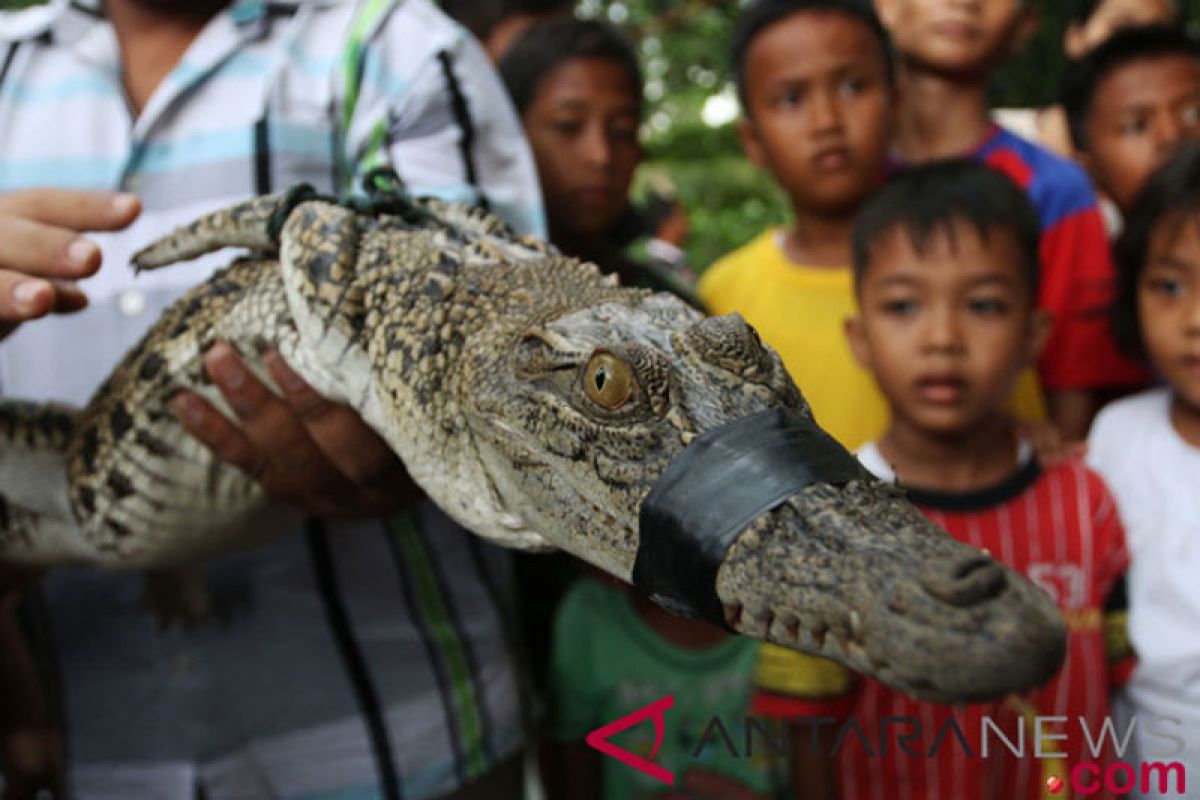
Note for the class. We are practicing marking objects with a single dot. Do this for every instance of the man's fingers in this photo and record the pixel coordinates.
(68, 208)
(354, 448)
(46, 251)
(22, 297)
(271, 426)
(218, 434)
(68, 297)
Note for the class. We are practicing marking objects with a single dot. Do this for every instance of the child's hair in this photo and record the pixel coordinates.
(1124, 47)
(928, 199)
(481, 17)
(548, 44)
(761, 14)
(1173, 190)
(1082, 10)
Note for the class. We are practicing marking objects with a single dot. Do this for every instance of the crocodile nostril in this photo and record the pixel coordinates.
(967, 582)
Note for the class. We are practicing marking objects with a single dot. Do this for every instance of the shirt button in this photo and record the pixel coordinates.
(132, 303)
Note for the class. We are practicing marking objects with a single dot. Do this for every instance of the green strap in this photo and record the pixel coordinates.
(353, 63)
(431, 607)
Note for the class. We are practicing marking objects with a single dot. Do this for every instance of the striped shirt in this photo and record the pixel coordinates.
(351, 659)
(1059, 528)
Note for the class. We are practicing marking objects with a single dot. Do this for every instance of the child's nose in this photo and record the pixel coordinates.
(1170, 133)
(825, 111)
(596, 146)
(942, 330)
(1192, 320)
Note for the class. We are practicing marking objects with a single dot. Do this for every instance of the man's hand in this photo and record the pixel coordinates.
(42, 253)
(301, 447)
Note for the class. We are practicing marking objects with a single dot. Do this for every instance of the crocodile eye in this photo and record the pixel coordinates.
(608, 381)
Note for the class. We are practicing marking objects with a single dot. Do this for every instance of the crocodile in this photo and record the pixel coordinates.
(537, 403)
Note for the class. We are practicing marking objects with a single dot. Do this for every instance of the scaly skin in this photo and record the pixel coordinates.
(537, 404)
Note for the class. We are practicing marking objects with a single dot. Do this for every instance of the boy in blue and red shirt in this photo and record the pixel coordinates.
(947, 51)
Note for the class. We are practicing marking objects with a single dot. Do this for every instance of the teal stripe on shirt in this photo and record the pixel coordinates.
(33, 94)
(191, 151)
(65, 172)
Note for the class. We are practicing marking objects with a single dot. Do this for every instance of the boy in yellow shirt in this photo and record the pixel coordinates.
(816, 86)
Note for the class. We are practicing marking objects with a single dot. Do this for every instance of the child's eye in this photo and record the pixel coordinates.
(623, 131)
(851, 87)
(567, 127)
(899, 307)
(1166, 287)
(989, 306)
(788, 98)
(1134, 126)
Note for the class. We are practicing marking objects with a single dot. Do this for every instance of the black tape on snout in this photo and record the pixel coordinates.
(722, 482)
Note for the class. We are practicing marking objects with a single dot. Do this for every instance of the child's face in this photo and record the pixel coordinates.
(946, 332)
(1109, 17)
(1139, 113)
(582, 125)
(819, 110)
(1169, 305)
(957, 37)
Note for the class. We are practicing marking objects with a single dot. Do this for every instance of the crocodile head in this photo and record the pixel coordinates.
(587, 410)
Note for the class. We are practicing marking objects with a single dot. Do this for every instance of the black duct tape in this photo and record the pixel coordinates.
(718, 485)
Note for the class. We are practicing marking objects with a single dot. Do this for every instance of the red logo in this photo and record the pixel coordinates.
(1054, 784)
(599, 739)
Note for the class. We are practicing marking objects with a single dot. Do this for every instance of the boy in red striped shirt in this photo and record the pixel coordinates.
(946, 273)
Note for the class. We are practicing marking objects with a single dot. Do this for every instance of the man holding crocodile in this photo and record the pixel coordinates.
(189, 106)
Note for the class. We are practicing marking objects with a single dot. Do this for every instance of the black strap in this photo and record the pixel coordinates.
(262, 155)
(356, 665)
(462, 115)
(710, 493)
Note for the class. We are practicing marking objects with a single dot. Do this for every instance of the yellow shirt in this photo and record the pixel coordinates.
(801, 312)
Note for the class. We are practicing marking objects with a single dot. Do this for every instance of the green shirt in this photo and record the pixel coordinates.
(609, 663)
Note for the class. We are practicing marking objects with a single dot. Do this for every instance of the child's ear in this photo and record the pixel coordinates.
(1041, 323)
(858, 340)
(748, 135)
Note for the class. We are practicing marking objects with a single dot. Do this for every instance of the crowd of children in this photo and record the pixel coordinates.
(945, 293)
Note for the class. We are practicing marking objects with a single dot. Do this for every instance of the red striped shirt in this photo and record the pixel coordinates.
(1059, 528)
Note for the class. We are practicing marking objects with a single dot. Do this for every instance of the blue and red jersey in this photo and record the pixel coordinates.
(1077, 279)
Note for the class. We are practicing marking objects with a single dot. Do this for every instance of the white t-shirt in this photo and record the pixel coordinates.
(1155, 476)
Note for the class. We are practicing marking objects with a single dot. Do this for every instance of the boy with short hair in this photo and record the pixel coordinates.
(578, 89)
(947, 51)
(946, 273)
(820, 124)
(1129, 104)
